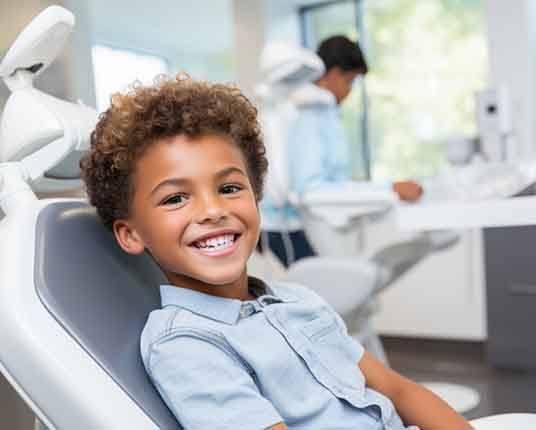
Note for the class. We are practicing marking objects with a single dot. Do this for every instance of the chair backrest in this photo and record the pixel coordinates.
(100, 295)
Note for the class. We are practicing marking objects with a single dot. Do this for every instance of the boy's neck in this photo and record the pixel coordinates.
(238, 290)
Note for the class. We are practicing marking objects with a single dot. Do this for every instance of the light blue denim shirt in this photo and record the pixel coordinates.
(225, 364)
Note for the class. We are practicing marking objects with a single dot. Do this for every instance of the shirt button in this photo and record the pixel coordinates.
(246, 310)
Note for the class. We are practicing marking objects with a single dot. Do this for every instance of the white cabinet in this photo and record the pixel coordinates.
(442, 297)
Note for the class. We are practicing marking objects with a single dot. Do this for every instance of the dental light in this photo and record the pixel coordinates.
(40, 135)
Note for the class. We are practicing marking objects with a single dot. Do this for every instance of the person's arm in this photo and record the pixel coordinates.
(415, 404)
(408, 191)
(278, 426)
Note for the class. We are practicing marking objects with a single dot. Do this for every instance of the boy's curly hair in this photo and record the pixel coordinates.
(170, 107)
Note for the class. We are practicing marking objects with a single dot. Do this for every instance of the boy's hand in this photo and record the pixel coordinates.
(409, 191)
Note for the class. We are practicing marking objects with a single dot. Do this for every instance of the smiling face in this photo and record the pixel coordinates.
(194, 209)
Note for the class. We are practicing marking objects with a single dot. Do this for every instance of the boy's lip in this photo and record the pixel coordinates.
(218, 252)
(214, 233)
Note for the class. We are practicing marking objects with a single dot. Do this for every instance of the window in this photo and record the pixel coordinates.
(426, 61)
(318, 23)
(116, 69)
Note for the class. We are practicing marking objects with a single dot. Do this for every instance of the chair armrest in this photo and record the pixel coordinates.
(345, 283)
(340, 204)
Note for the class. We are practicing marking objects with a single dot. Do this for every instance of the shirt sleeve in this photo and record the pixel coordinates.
(336, 144)
(206, 385)
(311, 157)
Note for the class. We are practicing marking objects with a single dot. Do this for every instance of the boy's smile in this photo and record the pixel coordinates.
(193, 208)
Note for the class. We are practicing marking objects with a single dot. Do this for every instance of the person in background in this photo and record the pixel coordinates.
(318, 152)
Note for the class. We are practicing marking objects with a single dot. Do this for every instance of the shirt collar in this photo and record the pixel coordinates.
(219, 308)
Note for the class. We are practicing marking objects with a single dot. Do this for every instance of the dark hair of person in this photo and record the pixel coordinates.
(339, 51)
(170, 107)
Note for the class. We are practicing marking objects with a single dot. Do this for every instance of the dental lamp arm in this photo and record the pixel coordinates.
(38, 131)
(41, 140)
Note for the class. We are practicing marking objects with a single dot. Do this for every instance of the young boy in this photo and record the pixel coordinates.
(176, 169)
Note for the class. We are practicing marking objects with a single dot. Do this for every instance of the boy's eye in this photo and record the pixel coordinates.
(230, 189)
(174, 200)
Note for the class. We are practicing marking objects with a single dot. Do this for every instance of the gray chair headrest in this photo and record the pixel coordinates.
(100, 295)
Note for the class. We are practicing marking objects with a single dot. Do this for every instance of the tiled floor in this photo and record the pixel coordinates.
(501, 390)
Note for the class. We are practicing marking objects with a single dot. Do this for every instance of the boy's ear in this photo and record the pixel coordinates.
(127, 237)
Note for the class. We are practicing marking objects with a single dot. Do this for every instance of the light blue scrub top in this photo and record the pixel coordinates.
(317, 154)
(226, 364)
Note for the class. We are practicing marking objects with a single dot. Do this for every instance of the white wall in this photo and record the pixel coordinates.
(79, 72)
(249, 36)
(512, 53)
(256, 23)
(191, 35)
(281, 21)
(530, 19)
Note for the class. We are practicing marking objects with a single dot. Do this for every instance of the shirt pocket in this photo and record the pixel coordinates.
(323, 328)
(330, 345)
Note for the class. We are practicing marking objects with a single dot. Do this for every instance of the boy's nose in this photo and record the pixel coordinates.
(210, 209)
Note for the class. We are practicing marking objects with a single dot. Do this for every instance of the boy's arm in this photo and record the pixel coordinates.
(415, 404)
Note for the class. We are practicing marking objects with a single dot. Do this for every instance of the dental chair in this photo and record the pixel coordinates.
(72, 304)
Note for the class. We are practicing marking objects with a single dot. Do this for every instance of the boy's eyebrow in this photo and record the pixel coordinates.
(180, 181)
(228, 170)
(171, 181)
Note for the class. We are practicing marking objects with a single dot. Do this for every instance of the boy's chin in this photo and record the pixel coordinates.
(220, 279)
(212, 276)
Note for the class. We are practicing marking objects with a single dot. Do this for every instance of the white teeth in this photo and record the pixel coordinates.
(216, 243)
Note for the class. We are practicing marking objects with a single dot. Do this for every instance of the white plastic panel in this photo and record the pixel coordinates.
(41, 357)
